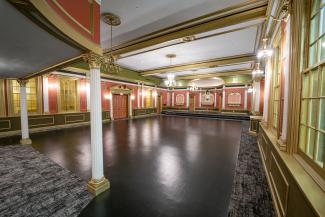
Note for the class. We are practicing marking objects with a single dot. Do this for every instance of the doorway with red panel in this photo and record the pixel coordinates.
(192, 102)
(120, 106)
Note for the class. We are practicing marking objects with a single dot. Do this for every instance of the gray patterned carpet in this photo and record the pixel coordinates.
(250, 194)
(32, 185)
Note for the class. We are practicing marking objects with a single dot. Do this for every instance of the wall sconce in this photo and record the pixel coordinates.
(144, 93)
(53, 85)
(154, 94)
(250, 90)
(132, 97)
(108, 96)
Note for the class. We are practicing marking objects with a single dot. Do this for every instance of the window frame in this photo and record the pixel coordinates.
(307, 68)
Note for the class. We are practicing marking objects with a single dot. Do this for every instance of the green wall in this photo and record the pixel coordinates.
(124, 73)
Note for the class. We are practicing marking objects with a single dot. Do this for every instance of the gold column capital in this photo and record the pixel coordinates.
(94, 60)
(22, 82)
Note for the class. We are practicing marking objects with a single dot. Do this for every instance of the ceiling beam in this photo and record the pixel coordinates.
(211, 63)
(215, 74)
(243, 14)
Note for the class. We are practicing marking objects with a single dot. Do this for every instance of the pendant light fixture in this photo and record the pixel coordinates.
(109, 63)
(170, 82)
(265, 52)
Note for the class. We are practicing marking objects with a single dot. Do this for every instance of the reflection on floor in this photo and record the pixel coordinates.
(250, 194)
(33, 185)
(162, 166)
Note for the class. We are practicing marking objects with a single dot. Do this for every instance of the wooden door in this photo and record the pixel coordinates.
(159, 104)
(192, 102)
(219, 102)
(120, 106)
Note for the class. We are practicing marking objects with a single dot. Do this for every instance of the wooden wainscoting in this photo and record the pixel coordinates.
(289, 195)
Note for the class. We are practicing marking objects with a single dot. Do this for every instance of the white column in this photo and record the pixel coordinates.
(223, 97)
(130, 106)
(168, 99)
(142, 96)
(24, 114)
(98, 182)
(138, 103)
(267, 86)
(215, 97)
(200, 98)
(188, 99)
(46, 108)
(256, 94)
(286, 69)
(173, 98)
(245, 98)
(155, 96)
(111, 112)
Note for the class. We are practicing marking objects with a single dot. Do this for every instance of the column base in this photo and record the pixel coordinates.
(27, 141)
(97, 187)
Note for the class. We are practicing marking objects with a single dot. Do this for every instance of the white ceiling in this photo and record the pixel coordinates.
(141, 17)
(234, 43)
(243, 66)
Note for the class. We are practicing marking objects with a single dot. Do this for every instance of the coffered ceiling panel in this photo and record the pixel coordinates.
(244, 66)
(233, 43)
(141, 17)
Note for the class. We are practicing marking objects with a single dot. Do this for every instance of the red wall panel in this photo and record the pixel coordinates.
(235, 90)
(83, 95)
(53, 94)
(82, 15)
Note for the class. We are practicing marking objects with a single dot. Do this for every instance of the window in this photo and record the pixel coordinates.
(149, 99)
(317, 33)
(312, 117)
(276, 88)
(31, 94)
(68, 95)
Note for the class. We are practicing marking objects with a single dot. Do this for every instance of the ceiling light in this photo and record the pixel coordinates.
(257, 72)
(264, 52)
(188, 38)
(109, 62)
(170, 82)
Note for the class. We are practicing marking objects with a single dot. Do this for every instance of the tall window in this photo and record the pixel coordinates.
(276, 88)
(68, 95)
(312, 117)
(149, 99)
(31, 93)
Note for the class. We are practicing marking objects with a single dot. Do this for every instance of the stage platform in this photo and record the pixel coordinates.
(207, 114)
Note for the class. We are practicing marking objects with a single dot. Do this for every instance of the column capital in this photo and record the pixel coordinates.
(94, 60)
(22, 82)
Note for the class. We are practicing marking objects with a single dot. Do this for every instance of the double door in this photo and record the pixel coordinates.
(120, 106)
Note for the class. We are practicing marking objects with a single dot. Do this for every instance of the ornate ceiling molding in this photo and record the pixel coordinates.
(205, 64)
(238, 14)
(216, 74)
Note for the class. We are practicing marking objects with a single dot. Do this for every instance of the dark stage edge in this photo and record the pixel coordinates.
(223, 116)
(250, 196)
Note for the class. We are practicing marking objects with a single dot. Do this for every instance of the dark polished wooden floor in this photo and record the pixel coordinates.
(160, 166)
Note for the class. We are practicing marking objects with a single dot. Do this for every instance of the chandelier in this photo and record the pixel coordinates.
(109, 60)
(257, 72)
(264, 52)
(170, 82)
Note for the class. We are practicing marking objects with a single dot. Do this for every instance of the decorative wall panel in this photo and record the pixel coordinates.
(180, 99)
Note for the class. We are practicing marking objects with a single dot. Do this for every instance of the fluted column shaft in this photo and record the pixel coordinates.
(224, 97)
(98, 183)
(245, 98)
(23, 113)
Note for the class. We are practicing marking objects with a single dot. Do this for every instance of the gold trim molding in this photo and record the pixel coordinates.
(211, 63)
